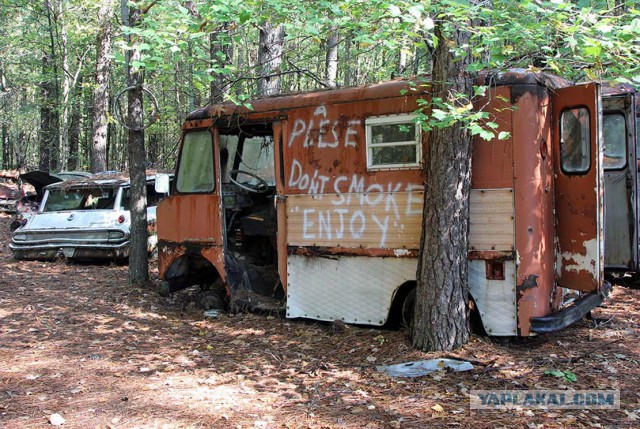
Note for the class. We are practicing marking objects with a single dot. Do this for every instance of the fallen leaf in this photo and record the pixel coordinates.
(438, 408)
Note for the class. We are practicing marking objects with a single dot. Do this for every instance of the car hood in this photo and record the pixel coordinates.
(39, 179)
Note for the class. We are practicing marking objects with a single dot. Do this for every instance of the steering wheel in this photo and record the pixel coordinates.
(260, 188)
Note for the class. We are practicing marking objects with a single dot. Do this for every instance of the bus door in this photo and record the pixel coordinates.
(578, 187)
(620, 182)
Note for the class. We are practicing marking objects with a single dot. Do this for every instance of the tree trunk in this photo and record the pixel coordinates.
(221, 54)
(75, 128)
(270, 59)
(138, 257)
(442, 294)
(348, 61)
(331, 64)
(46, 117)
(54, 94)
(6, 161)
(99, 160)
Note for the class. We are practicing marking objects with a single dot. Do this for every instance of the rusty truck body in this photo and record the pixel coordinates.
(317, 199)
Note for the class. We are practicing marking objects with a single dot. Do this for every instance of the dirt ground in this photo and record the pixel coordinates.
(79, 345)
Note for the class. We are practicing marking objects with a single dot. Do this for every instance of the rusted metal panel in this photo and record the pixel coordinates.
(492, 162)
(488, 255)
(352, 251)
(190, 218)
(325, 150)
(521, 77)
(533, 184)
(265, 107)
(374, 220)
(203, 226)
(491, 220)
(281, 208)
(580, 199)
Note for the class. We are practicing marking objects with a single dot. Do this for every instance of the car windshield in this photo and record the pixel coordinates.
(80, 199)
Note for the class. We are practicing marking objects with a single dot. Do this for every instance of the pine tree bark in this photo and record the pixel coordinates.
(270, 59)
(442, 294)
(99, 130)
(138, 257)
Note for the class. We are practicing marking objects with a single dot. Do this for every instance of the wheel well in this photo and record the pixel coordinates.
(395, 319)
(395, 312)
(191, 269)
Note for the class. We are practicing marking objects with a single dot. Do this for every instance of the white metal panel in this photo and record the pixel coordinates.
(354, 289)
(491, 220)
(496, 299)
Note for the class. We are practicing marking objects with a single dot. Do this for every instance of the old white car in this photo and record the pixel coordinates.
(84, 219)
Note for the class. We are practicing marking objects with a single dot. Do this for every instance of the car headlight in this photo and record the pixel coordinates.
(115, 234)
(20, 237)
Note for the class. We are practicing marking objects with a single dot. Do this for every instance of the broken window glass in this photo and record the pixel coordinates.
(575, 141)
(614, 132)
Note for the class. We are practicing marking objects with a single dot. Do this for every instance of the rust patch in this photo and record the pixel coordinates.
(488, 255)
(317, 251)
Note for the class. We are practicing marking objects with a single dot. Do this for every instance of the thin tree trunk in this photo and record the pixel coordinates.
(221, 54)
(442, 294)
(347, 60)
(138, 257)
(66, 87)
(54, 95)
(46, 117)
(331, 64)
(75, 128)
(270, 59)
(99, 159)
(6, 161)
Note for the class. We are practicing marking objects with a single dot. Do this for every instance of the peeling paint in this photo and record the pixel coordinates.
(576, 262)
(401, 252)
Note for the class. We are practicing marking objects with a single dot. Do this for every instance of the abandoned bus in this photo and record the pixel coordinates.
(316, 199)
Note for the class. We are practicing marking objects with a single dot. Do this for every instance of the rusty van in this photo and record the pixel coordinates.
(316, 199)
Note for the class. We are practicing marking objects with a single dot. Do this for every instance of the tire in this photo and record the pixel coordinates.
(408, 308)
(211, 300)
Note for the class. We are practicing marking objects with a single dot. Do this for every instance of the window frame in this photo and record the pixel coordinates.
(625, 157)
(373, 121)
(180, 166)
(590, 131)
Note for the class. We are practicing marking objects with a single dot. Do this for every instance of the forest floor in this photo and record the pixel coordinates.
(79, 344)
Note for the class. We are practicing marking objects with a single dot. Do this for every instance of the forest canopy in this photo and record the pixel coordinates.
(197, 52)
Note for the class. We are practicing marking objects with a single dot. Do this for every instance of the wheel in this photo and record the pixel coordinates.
(260, 188)
(408, 308)
(164, 289)
(211, 300)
